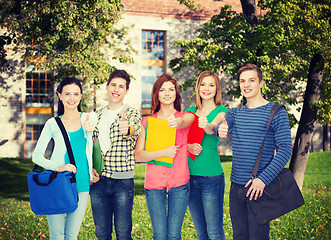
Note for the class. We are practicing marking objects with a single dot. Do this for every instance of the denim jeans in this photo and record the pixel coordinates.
(112, 197)
(244, 224)
(167, 212)
(66, 226)
(206, 206)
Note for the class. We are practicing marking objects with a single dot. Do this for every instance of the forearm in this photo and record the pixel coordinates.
(145, 156)
(185, 121)
(209, 129)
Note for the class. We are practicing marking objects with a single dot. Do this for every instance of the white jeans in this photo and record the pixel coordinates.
(66, 226)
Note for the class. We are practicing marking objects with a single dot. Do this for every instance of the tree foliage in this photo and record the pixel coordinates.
(67, 36)
(283, 42)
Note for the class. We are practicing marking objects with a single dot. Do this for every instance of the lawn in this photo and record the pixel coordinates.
(312, 221)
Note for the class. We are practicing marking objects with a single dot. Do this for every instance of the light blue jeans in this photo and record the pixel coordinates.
(206, 206)
(66, 226)
(167, 226)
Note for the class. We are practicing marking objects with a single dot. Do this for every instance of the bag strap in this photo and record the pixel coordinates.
(274, 109)
(66, 140)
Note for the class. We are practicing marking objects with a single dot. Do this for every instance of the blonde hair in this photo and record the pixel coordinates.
(218, 95)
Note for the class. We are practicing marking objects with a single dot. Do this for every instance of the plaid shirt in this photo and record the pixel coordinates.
(120, 156)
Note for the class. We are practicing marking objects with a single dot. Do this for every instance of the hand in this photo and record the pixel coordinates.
(68, 167)
(194, 148)
(95, 176)
(88, 124)
(203, 122)
(171, 151)
(172, 122)
(256, 188)
(123, 125)
(223, 129)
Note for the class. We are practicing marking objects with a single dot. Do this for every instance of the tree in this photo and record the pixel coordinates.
(283, 42)
(66, 36)
(308, 119)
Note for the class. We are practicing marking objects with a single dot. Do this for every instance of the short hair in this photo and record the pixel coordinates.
(156, 89)
(63, 83)
(218, 95)
(250, 66)
(120, 74)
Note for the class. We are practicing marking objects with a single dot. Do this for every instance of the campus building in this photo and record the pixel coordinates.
(28, 98)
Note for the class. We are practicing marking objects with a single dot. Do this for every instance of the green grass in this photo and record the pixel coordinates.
(312, 221)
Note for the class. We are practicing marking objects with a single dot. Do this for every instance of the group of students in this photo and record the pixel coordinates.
(197, 183)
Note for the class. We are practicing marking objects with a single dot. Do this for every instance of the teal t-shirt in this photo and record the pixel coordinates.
(208, 162)
(78, 145)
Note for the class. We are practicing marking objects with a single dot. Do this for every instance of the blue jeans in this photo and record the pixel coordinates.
(165, 225)
(206, 206)
(244, 224)
(112, 197)
(66, 226)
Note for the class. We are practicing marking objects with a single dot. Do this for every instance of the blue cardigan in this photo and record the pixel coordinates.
(52, 130)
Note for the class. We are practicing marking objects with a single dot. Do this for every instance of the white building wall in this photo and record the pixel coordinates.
(12, 97)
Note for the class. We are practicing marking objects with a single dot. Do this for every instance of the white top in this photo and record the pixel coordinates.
(106, 121)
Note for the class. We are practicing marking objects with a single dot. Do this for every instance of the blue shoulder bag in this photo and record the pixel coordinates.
(281, 196)
(53, 192)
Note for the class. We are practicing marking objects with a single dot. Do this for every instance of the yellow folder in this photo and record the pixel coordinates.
(159, 136)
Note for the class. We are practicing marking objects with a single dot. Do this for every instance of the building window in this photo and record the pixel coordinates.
(39, 91)
(38, 106)
(153, 62)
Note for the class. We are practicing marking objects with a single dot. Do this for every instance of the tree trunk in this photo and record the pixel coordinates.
(325, 137)
(249, 9)
(307, 120)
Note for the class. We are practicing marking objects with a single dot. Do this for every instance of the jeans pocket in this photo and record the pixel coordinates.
(127, 183)
(185, 186)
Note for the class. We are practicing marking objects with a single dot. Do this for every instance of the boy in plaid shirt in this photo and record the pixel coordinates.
(117, 130)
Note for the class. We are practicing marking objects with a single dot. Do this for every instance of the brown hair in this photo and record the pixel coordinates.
(218, 95)
(250, 66)
(120, 74)
(155, 93)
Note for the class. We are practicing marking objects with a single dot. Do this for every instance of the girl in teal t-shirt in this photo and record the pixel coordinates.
(206, 172)
(79, 127)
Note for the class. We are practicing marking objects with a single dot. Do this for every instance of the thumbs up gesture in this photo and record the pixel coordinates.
(172, 121)
(88, 124)
(123, 125)
(223, 129)
(203, 119)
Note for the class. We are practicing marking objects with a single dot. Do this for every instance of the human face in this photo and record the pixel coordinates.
(250, 85)
(70, 96)
(116, 90)
(207, 88)
(167, 93)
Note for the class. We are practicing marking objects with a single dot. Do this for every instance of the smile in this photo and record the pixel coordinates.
(71, 103)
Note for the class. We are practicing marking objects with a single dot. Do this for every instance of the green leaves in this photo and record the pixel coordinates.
(283, 42)
(70, 35)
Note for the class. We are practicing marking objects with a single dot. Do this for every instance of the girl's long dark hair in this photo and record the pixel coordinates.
(64, 82)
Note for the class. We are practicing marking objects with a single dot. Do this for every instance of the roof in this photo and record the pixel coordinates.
(173, 9)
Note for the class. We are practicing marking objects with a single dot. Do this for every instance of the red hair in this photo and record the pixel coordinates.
(156, 89)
